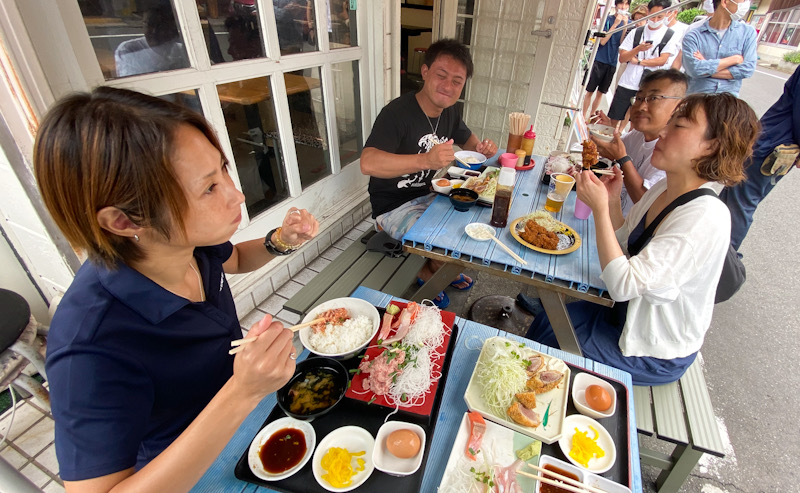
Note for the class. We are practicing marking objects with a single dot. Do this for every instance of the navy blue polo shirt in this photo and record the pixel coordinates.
(131, 364)
(609, 52)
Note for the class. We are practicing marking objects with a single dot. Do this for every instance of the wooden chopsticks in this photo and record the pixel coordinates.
(605, 172)
(561, 481)
(239, 344)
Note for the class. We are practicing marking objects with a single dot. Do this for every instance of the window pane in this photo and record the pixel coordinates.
(464, 30)
(294, 19)
(348, 110)
(341, 27)
(189, 99)
(795, 16)
(466, 7)
(795, 41)
(231, 30)
(304, 90)
(129, 41)
(250, 120)
(787, 34)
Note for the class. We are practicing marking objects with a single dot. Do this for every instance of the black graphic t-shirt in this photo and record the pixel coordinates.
(403, 128)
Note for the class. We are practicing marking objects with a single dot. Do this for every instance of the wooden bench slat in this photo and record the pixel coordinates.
(644, 409)
(700, 412)
(352, 277)
(382, 272)
(404, 276)
(307, 297)
(670, 421)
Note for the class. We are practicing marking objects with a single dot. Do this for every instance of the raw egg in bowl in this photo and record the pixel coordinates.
(593, 396)
(399, 447)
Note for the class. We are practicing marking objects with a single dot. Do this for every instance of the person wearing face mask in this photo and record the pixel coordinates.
(648, 48)
(605, 62)
(680, 31)
(720, 53)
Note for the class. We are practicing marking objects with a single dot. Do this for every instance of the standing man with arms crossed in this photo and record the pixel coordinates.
(647, 48)
(412, 138)
(722, 51)
(605, 62)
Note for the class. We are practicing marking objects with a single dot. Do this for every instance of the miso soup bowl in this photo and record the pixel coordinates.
(340, 376)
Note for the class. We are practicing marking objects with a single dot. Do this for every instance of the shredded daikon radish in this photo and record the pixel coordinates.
(501, 373)
(413, 383)
(428, 329)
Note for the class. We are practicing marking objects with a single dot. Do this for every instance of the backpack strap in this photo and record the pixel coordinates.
(664, 41)
(640, 243)
(637, 36)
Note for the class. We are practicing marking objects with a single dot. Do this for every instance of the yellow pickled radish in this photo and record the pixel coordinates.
(584, 448)
(337, 464)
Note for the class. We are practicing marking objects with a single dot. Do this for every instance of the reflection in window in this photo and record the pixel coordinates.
(295, 26)
(189, 99)
(131, 42)
(341, 27)
(231, 30)
(307, 112)
(250, 120)
(348, 110)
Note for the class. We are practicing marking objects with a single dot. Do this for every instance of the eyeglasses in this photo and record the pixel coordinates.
(651, 99)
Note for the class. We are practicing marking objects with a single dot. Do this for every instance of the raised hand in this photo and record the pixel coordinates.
(486, 147)
(298, 227)
(266, 364)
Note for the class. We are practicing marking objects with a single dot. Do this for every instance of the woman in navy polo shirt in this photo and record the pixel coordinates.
(144, 393)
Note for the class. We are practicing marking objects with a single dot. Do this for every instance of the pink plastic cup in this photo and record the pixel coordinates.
(582, 211)
(508, 159)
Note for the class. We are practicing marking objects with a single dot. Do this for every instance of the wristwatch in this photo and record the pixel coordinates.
(624, 159)
(272, 248)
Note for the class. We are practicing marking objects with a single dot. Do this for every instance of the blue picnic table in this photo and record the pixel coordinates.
(439, 235)
(220, 476)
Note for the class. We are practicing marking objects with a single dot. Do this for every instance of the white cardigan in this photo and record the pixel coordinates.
(670, 285)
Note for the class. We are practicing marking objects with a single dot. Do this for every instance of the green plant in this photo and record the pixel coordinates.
(636, 3)
(688, 15)
(567, 121)
(792, 57)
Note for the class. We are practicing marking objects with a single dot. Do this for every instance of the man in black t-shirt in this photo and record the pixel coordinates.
(412, 138)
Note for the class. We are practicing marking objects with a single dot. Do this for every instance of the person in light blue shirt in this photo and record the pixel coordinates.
(722, 51)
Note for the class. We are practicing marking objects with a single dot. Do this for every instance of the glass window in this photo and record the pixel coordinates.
(341, 31)
(252, 129)
(348, 110)
(233, 32)
(306, 108)
(464, 30)
(295, 25)
(134, 38)
(795, 16)
(795, 41)
(189, 99)
(787, 34)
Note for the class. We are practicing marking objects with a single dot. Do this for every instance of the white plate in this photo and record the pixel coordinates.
(556, 399)
(457, 172)
(356, 307)
(354, 439)
(471, 159)
(502, 444)
(583, 380)
(602, 132)
(387, 462)
(604, 441)
(254, 460)
(560, 464)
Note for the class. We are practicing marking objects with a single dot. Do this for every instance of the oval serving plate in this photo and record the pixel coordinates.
(254, 460)
(571, 233)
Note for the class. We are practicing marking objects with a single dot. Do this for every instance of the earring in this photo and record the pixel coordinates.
(137, 238)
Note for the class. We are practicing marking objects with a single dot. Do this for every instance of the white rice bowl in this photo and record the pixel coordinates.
(346, 340)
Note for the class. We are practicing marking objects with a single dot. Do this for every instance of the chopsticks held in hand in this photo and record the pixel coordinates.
(239, 344)
(561, 481)
(608, 172)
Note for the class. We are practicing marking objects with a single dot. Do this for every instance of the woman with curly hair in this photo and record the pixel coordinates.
(664, 288)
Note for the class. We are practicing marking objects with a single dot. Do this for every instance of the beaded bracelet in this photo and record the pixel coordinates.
(281, 244)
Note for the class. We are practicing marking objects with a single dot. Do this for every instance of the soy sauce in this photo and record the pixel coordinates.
(549, 488)
(284, 450)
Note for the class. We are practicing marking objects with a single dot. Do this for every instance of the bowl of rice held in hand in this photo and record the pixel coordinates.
(345, 326)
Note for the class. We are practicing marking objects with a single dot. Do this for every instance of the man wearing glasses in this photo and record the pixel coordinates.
(651, 108)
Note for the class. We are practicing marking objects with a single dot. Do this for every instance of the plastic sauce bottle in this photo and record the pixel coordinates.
(528, 139)
(502, 197)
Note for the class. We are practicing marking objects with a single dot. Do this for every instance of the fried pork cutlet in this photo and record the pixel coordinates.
(537, 236)
(523, 416)
(545, 381)
(537, 362)
(527, 399)
(589, 154)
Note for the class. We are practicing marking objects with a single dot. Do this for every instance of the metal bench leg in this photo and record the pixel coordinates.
(685, 459)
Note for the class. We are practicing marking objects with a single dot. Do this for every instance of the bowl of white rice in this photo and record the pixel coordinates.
(342, 341)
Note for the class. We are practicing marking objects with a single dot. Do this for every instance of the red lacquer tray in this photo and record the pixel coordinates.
(355, 391)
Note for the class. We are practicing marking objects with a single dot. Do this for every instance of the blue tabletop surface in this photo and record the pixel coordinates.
(442, 227)
(220, 477)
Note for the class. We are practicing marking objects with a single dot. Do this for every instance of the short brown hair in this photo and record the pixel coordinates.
(734, 126)
(112, 147)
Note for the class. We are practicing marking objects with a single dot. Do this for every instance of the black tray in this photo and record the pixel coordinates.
(370, 417)
(616, 425)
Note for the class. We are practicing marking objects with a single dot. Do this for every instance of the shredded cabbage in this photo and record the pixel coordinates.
(501, 374)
